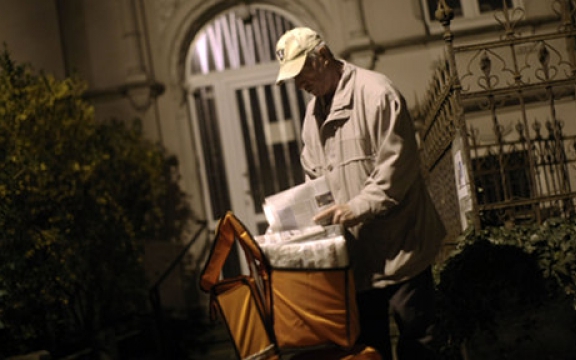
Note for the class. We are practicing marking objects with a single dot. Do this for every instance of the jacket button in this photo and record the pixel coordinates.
(329, 167)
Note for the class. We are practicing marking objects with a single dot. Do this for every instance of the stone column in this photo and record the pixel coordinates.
(359, 45)
(140, 87)
(135, 68)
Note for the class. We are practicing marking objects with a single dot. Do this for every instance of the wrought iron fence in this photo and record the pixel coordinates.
(500, 116)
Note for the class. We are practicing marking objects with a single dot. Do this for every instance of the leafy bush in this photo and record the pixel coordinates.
(501, 278)
(485, 280)
(554, 245)
(78, 199)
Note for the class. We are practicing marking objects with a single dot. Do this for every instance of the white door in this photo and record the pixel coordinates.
(247, 130)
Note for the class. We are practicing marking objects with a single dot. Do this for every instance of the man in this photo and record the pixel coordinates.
(358, 133)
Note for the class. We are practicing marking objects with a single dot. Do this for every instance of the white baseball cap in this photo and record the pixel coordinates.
(292, 49)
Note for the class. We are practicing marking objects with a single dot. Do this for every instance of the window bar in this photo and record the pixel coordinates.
(268, 140)
(214, 35)
(264, 30)
(230, 35)
(551, 159)
(283, 126)
(213, 162)
(247, 45)
(258, 40)
(274, 32)
(294, 109)
(251, 142)
(544, 159)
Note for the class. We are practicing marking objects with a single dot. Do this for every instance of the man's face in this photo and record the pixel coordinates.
(311, 77)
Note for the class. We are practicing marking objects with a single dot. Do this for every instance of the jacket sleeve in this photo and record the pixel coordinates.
(396, 159)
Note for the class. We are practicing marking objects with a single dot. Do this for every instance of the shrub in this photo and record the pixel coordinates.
(503, 286)
(78, 199)
(485, 280)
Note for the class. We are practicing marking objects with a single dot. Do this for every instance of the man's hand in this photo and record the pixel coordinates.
(337, 214)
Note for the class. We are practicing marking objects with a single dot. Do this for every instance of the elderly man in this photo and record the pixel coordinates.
(358, 133)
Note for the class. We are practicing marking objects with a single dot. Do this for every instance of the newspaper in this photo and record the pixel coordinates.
(295, 208)
(308, 233)
(316, 254)
(315, 247)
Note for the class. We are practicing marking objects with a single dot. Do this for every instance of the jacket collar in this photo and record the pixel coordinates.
(342, 101)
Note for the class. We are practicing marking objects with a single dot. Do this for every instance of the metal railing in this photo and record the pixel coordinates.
(154, 293)
(498, 118)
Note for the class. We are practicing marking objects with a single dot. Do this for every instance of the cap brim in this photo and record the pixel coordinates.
(290, 69)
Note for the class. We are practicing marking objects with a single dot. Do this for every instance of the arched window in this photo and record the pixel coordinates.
(246, 128)
(243, 36)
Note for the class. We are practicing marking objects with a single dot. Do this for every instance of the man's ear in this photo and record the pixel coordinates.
(324, 53)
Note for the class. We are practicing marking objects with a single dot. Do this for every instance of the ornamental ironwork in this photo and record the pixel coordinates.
(509, 103)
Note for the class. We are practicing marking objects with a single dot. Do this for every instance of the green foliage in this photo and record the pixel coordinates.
(554, 245)
(500, 272)
(77, 201)
(485, 280)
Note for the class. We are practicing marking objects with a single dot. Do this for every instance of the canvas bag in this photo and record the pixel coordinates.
(243, 302)
(291, 307)
(314, 307)
(313, 292)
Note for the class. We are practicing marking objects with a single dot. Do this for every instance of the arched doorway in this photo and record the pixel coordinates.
(246, 128)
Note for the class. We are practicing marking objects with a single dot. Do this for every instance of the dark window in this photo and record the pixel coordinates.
(493, 5)
(490, 183)
(454, 4)
(496, 187)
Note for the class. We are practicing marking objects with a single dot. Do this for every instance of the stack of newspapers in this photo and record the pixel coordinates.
(293, 240)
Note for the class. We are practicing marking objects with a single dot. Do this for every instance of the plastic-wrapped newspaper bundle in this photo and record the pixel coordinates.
(314, 247)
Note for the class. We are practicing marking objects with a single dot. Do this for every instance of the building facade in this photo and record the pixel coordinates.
(200, 76)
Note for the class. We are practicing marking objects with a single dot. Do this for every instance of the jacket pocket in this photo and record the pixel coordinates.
(355, 151)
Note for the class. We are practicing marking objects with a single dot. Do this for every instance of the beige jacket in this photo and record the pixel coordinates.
(367, 149)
